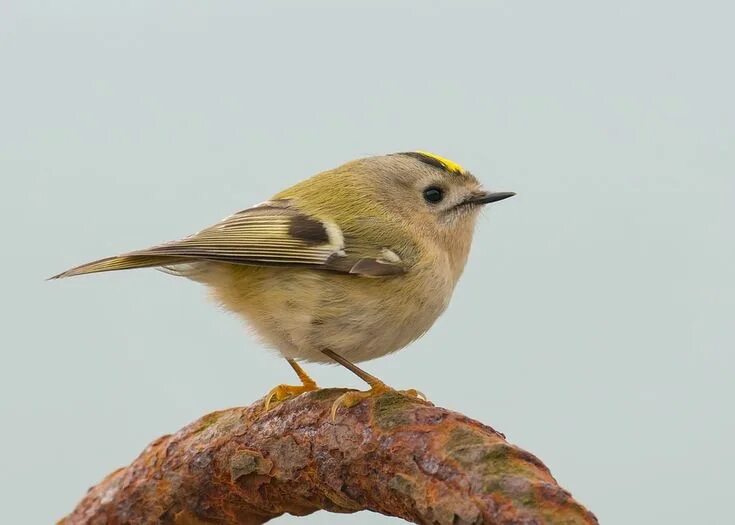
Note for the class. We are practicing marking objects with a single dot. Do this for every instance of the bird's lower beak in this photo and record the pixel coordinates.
(486, 197)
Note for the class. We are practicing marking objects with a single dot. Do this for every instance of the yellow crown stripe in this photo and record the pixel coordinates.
(450, 165)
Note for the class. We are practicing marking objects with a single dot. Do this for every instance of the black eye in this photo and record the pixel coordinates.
(433, 194)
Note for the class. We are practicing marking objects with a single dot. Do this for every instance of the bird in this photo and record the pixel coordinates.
(349, 265)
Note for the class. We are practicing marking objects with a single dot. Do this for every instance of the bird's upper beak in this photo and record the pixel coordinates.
(486, 197)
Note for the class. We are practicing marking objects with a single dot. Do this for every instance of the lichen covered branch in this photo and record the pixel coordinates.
(389, 454)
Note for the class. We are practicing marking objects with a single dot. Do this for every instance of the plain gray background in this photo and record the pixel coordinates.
(594, 323)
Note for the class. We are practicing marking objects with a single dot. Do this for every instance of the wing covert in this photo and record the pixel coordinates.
(266, 234)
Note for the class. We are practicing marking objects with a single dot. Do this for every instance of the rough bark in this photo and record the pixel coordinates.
(389, 454)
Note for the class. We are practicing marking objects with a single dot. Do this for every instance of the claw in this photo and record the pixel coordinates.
(283, 392)
(352, 398)
(412, 392)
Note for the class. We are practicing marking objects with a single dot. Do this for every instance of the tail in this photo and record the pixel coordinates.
(124, 262)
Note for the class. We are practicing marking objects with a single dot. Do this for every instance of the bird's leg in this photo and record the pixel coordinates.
(282, 392)
(377, 387)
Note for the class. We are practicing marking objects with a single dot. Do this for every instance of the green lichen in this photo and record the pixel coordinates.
(401, 484)
(207, 421)
(502, 460)
(498, 465)
(326, 393)
(245, 463)
(513, 489)
(460, 439)
(389, 410)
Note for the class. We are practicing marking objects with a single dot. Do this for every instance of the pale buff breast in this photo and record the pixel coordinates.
(300, 313)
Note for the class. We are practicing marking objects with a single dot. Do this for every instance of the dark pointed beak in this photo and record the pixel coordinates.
(487, 197)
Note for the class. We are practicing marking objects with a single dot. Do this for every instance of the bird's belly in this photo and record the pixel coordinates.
(301, 313)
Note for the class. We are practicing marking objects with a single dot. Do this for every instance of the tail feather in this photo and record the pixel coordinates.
(122, 262)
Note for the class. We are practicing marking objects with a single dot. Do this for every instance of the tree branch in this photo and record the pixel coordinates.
(389, 454)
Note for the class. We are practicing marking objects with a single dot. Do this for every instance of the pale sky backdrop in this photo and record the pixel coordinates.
(593, 325)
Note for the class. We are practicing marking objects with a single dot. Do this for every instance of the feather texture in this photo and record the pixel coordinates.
(271, 234)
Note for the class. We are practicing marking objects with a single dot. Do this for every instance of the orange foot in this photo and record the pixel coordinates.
(352, 398)
(283, 392)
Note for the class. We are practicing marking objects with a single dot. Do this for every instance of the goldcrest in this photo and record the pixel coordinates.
(349, 265)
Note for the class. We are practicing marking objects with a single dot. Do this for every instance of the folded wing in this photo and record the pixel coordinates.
(271, 234)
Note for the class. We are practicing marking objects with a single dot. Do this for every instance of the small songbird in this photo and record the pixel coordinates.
(349, 265)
